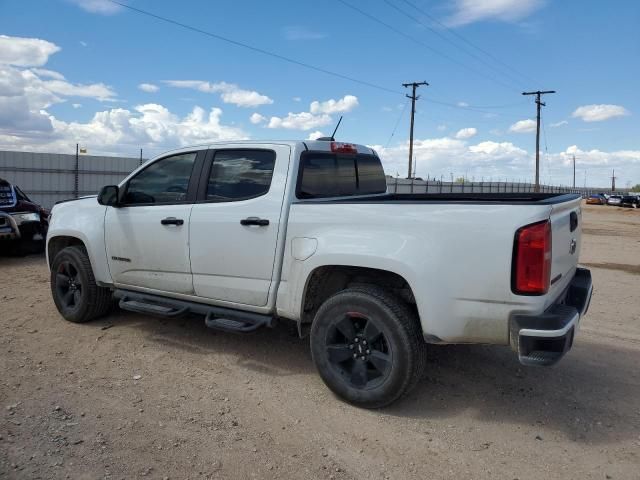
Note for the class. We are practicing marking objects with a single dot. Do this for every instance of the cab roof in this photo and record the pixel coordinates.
(312, 145)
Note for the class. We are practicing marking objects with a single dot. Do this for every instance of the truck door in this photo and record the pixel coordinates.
(147, 237)
(236, 223)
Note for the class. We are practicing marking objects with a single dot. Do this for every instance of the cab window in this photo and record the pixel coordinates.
(163, 182)
(240, 175)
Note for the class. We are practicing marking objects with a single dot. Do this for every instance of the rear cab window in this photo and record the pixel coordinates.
(325, 175)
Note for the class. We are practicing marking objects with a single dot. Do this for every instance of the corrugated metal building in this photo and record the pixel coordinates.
(50, 177)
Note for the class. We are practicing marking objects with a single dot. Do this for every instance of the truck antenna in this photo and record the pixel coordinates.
(333, 135)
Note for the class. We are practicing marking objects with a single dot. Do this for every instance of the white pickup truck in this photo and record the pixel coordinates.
(245, 233)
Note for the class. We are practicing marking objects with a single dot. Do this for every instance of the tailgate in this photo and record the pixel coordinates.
(566, 236)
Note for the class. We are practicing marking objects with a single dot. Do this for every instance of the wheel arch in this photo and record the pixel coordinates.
(326, 280)
(56, 244)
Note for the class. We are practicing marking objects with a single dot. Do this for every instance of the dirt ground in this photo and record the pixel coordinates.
(131, 396)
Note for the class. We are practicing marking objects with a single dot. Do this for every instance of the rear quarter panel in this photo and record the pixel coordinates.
(455, 257)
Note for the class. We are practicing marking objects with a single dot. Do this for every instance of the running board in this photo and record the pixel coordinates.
(218, 318)
(237, 325)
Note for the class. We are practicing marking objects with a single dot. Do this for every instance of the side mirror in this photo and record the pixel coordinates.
(109, 196)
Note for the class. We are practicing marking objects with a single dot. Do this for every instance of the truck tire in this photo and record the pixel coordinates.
(367, 346)
(77, 296)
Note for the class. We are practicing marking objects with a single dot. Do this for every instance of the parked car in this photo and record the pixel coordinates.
(614, 200)
(23, 223)
(246, 233)
(630, 201)
(596, 199)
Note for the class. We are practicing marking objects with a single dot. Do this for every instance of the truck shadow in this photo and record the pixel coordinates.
(591, 396)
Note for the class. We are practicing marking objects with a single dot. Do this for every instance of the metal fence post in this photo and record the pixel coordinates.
(76, 172)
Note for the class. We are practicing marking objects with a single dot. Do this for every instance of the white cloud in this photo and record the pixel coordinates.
(229, 92)
(99, 91)
(441, 128)
(300, 121)
(83, 43)
(301, 33)
(25, 52)
(43, 72)
(462, 104)
(26, 124)
(149, 126)
(103, 7)
(597, 158)
(469, 11)
(244, 98)
(27, 93)
(559, 124)
(256, 118)
(598, 113)
(465, 133)
(297, 99)
(315, 135)
(319, 114)
(148, 87)
(523, 126)
(444, 156)
(497, 150)
(344, 104)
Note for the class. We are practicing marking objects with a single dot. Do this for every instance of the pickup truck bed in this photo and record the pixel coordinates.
(476, 198)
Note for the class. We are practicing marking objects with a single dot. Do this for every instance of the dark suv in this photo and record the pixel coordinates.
(630, 201)
(23, 223)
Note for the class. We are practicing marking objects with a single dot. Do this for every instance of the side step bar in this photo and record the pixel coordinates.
(219, 318)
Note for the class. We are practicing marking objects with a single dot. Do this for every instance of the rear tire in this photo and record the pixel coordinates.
(77, 296)
(367, 346)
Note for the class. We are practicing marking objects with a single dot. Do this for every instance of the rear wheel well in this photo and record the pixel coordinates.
(327, 280)
(56, 244)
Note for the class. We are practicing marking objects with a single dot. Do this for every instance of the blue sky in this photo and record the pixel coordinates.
(72, 72)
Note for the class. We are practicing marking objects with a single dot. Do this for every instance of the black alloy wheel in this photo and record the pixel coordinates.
(358, 350)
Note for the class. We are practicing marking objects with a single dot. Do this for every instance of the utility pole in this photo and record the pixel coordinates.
(613, 181)
(413, 97)
(539, 104)
(140, 157)
(574, 171)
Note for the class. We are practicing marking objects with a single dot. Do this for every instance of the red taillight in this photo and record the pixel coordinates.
(532, 259)
(339, 147)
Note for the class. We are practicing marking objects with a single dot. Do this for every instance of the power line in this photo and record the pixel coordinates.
(288, 59)
(393, 132)
(423, 44)
(544, 137)
(446, 39)
(255, 49)
(468, 42)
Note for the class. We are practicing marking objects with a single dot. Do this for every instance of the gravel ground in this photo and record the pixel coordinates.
(131, 396)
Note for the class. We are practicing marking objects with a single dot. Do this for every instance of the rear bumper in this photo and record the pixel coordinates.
(544, 339)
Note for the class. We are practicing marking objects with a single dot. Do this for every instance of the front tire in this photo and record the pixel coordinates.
(77, 296)
(367, 346)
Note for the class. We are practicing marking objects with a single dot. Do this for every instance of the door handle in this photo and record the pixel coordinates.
(172, 221)
(261, 222)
